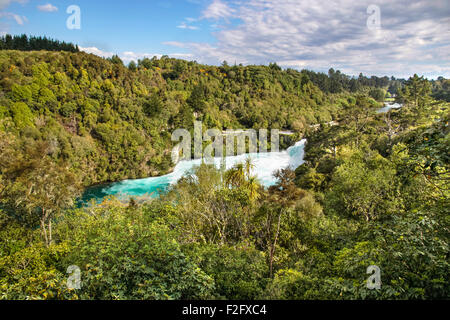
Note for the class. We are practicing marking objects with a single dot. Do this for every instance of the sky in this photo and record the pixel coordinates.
(376, 37)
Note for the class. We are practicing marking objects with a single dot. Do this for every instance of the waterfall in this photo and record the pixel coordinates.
(265, 165)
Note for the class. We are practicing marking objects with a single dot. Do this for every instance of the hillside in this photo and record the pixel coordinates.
(110, 122)
(373, 190)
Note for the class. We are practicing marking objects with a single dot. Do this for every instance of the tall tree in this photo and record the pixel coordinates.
(416, 93)
(38, 187)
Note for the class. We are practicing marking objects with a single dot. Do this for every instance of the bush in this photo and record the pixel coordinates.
(123, 256)
(240, 272)
(22, 115)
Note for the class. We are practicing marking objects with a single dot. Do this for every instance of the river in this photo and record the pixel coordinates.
(389, 106)
(265, 165)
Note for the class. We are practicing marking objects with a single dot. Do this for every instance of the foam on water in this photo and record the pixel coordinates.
(388, 107)
(265, 165)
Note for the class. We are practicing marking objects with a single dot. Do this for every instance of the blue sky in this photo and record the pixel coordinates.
(116, 26)
(382, 37)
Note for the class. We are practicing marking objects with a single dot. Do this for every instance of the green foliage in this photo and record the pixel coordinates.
(153, 106)
(90, 101)
(378, 94)
(25, 43)
(290, 284)
(373, 189)
(22, 115)
(122, 255)
(410, 254)
(116, 60)
(416, 92)
(31, 274)
(363, 186)
(441, 89)
(21, 93)
(239, 272)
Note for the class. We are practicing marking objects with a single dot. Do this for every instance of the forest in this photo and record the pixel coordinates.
(374, 189)
(30, 43)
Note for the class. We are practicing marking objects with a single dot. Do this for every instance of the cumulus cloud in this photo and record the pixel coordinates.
(97, 51)
(129, 56)
(413, 36)
(47, 8)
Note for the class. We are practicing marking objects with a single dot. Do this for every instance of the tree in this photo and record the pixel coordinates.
(132, 66)
(22, 115)
(416, 93)
(236, 176)
(39, 188)
(240, 176)
(281, 198)
(357, 117)
(116, 60)
(124, 255)
(364, 185)
(227, 263)
(153, 105)
(25, 43)
(197, 100)
(378, 94)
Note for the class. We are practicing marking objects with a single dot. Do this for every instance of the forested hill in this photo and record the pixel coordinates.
(112, 122)
(373, 190)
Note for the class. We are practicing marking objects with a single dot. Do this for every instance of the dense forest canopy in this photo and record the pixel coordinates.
(373, 189)
(30, 43)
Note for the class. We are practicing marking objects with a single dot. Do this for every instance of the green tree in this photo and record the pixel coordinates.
(282, 198)
(378, 94)
(364, 185)
(132, 66)
(39, 188)
(128, 256)
(416, 92)
(22, 115)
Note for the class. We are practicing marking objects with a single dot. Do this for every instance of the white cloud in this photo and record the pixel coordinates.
(47, 8)
(413, 38)
(185, 56)
(129, 56)
(97, 51)
(20, 20)
(186, 26)
(218, 10)
(175, 44)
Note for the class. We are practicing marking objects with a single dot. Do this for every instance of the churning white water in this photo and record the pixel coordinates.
(389, 106)
(265, 166)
